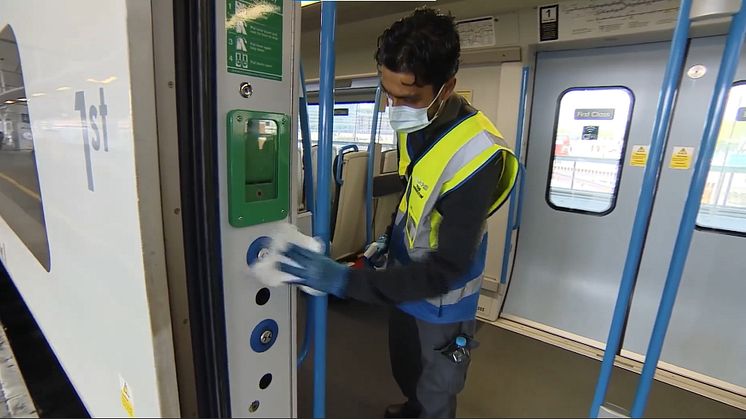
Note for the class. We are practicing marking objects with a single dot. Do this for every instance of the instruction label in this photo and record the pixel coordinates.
(682, 158)
(125, 396)
(254, 38)
(549, 23)
(477, 33)
(639, 155)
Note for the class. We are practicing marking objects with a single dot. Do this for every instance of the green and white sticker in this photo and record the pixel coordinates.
(254, 38)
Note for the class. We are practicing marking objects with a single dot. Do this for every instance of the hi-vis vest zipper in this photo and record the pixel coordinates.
(449, 162)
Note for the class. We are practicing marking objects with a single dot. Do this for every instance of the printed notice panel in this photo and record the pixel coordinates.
(254, 38)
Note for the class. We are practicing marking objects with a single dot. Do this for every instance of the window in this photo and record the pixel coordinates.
(724, 199)
(588, 149)
(353, 123)
(21, 203)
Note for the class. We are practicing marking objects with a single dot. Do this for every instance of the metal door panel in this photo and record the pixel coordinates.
(707, 333)
(569, 264)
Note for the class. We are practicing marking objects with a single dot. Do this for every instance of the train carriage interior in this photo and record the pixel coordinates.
(155, 155)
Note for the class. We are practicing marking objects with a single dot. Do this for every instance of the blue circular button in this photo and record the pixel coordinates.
(264, 335)
(461, 341)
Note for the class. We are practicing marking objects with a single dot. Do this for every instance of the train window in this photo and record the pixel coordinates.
(588, 150)
(724, 199)
(353, 123)
(20, 197)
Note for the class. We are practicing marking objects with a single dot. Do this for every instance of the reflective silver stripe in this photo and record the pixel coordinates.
(419, 253)
(461, 158)
(453, 297)
(399, 217)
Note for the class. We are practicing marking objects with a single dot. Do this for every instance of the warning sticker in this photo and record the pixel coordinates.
(125, 396)
(639, 155)
(682, 158)
(466, 94)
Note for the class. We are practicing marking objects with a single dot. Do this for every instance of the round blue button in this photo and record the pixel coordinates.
(252, 254)
(264, 335)
(461, 341)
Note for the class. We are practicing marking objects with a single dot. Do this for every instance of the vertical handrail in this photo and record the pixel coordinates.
(321, 216)
(512, 216)
(644, 210)
(728, 66)
(371, 161)
(305, 132)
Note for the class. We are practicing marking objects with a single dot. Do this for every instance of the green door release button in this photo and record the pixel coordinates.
(258, 167)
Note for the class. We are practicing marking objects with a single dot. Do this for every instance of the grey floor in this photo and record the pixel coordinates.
(15, 401)
(511, 376)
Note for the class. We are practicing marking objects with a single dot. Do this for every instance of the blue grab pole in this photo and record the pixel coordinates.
(728, 66)
(512, 216)
(666, 100)
(371, 160)
(321, 218)
(305, 131)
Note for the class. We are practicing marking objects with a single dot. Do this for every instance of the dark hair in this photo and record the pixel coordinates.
(425, 43)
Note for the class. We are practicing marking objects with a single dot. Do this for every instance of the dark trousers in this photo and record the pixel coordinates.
(426, 377)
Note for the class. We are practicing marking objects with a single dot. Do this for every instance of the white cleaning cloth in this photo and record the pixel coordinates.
(265, 269)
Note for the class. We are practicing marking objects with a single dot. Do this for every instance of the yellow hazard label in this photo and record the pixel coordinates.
(125, 395)
(682, 158)
(639, 156)
(466, 94)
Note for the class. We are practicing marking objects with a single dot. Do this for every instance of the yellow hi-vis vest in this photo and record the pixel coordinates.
(449, 162)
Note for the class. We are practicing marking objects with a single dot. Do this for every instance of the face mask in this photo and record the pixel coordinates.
(405, 119)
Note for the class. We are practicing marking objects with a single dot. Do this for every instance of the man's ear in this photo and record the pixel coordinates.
(449, 87)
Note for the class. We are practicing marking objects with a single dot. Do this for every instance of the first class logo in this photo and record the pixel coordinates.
(594, 114)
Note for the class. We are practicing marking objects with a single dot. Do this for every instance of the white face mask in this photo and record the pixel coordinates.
(405, 119)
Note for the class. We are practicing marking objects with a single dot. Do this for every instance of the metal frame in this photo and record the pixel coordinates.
(514, 207)
(196, 102)
(310, 199)
(371, 162)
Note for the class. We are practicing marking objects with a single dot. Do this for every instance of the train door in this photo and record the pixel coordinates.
(590, 108)
(707, 334)
(586, 156)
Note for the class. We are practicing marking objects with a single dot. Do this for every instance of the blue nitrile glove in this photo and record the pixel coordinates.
(316, 270)
(374, 252)
(383, 243)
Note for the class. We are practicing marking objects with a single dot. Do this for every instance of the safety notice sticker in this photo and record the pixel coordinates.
(639, 155)
(682, 158)
(125, 397)
(254, 38)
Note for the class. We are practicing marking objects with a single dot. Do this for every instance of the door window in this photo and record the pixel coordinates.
(724, 199)
(588, 149)
(353, 123)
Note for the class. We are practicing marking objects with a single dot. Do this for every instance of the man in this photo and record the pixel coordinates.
(457, 172)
